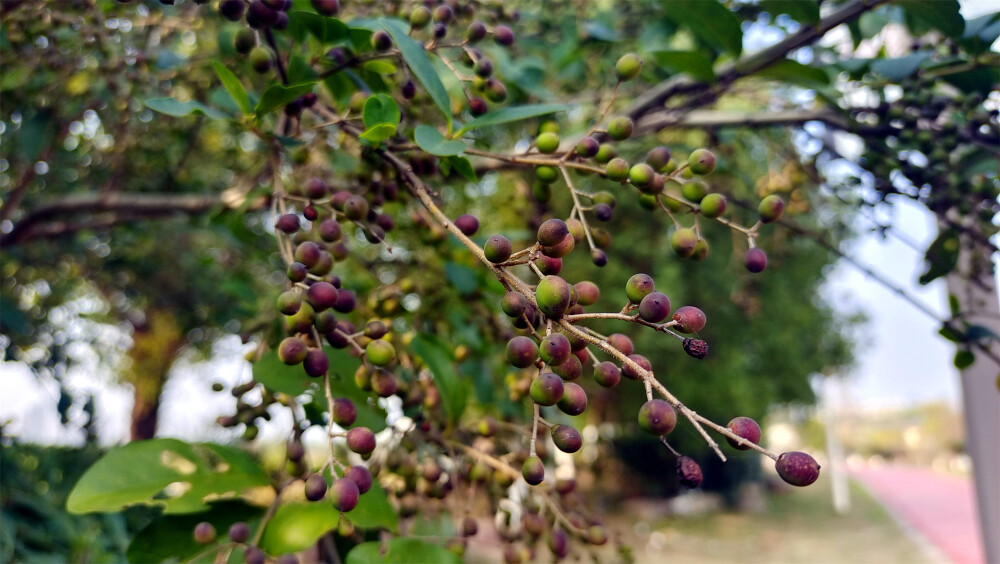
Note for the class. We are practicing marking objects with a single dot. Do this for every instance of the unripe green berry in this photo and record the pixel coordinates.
(605, 153)
(292, 350)
(701, 162)
(546, 389)
(261, 59)
(547, 174)
(683, 241)
(770, 208)
(617, 169)
(638, 287)
(420, 17)
(380, 353)
(620, 128)
(628, 67)
(642, 177)
(694, 191)
(547, 142)
(713, 205)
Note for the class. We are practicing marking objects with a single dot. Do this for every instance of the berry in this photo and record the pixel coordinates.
(622, 343)
(326, 7)
(555, 349)
(232, 10)
(574, 400)
(503, 35)
(657, 417)
(344, 494)
(254, 555)
(495, 92)
(694, 190)
(533, 470)
(552, 294)
(346, 301)
(569, 370)
(239, 532)
(292, 351)
(261, 59)
(289, 302)
(475, 32)
(588, 293)
(383, 383)
(316, 363)
(642, 177)
(329, 230)
(245, 40)
(467, 224)
(688, 472)
(746, 428)
(701, 162)
(713, 205)
(628, 67)
(548, 265)
(633, 374)
(561, 249)
(315, 487)
(617, 169)
(420, 17)
(547, 142)
(770, 208)
(638, 287)
(755, 260)
(696, 348)
(380, 353)
(497, 249)
(546, 174)
(603, 212)
(322, 295)
(381, 41)
(344, 412)
(683, 241)
(408, 90)
(558, 543)
(607, 374)
(361, 476)
(361, 440)
(605, 153)
(658, 157)
(547, 388)
(587, 147)
(521, 352)
(566, 438)
(514, 304)
(204, 533)
(483, 67)
(620, 128)
(308, 253)
(356, 208)
(297, 272)
(440, 30)
(689, 319)
(477, 106)
(469, 527)
(797, 468)
(654, 307)
(443, 14)
(597, 535)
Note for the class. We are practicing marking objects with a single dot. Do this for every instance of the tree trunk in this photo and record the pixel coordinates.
(974, 286)
(155, 345)
(144, 416)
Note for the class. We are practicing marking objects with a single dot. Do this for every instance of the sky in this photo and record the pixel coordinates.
(901, 360)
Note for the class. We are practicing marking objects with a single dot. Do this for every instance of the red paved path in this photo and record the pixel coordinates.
(940, 507)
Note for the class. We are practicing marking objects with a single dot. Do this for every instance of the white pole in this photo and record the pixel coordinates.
(834, 449)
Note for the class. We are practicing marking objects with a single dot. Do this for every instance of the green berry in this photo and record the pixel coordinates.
(617, 169)
(552, 296)
(683, 241)
(770, 208)
(547, 174)
(713, 205)
(547, 142)
(701, 162)
(292, 350)
(638, 287)
(261, 59)
(497, 249)
(380, 353)
(546, 389)
(620, 128)
(628, 67)
(605, 153)
(642, 177)
(420, 17)
(694, 191)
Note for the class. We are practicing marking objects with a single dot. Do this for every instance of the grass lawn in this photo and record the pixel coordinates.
(798, 526)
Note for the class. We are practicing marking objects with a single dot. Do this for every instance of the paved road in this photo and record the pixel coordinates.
(940, 507)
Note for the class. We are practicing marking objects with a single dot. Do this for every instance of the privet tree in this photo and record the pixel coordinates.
(402, 191)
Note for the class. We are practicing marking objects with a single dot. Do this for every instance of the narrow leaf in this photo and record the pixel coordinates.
(172, 107)
(277, 95)
(431, 140)
(233, 85)
(437, 356)
(514, 113)
(416, 58)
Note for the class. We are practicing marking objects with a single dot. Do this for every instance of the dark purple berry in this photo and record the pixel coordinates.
(688, 472)
(521, 352)
(315, 487)
(574, 400)
(797, 468)
(566, 438)
(696, 348)
(329, 230)
(503, 35)
(361, 440)
(408, 90)
(288, 223)
(746, 428)
(381, 41)
(326, 7)
(654, 307)
(547, 388)
(316, 363)
(630, 372)
(232, 10)
(552, 231)
(477, 106)
(755, 260)
(360, 476)
(204, 533)
(239, 532)
(344, 412)
(607, 374)
(322, 295)
(345, 494)
(467, 224)
(603, 212)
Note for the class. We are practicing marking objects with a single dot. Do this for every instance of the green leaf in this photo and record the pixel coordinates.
(233, 85)
(982, 80)
(279, 377)
(463, 167)
(711, 22)
(462, 278)
(431, 140)
(942, 15)
(900, 68)
(438, 358)
(139, 473)
(277, 95)
(941, 256)
(327, 30)
(964, 359)
(374, 511)
(380, 66)
(802, 11)
(416, 58)
(794, 72)
(174, 108)
(169, 537)
(296, 526)
(379, 133)
(299, 71)
(401, 551)
(380, 109)
(981, 32)
(694, 63)
(513, 113)
(36, 134)
(951, 334)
